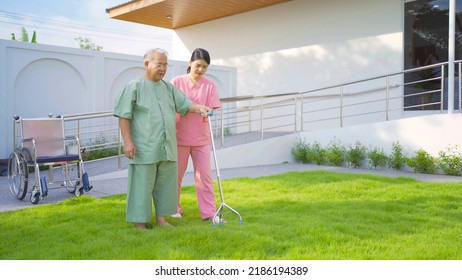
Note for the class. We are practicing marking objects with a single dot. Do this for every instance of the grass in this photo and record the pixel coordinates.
(315, 215)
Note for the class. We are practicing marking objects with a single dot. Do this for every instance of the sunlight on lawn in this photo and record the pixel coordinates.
(314, 215)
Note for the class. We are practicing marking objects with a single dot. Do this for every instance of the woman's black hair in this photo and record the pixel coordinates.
(199, 54)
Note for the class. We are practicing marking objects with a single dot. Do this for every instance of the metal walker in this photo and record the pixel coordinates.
(223, 205)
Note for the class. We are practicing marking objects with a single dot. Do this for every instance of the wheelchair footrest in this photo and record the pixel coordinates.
(43, 186)
(86, 182)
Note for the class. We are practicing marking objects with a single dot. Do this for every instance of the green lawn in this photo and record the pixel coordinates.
(315, 215)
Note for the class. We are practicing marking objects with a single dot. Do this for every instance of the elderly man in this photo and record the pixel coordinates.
(147, 109)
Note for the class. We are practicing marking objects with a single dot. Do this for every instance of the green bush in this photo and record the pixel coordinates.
(356, 154)
(397, 158)
(100, 153)
(450, 161)
(377, 157)
(299, 150)
(335, 153)
(315, 153)
(422, 162)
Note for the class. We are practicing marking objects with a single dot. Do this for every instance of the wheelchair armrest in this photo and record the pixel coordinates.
(72, 144)
(27, 140)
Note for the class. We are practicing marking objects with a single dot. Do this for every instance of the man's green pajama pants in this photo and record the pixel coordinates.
(156, 182)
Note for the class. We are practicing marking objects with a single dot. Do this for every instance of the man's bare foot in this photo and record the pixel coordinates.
(141, 226)
(160, 220)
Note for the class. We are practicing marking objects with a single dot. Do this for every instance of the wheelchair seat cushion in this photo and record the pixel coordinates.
(62, 158)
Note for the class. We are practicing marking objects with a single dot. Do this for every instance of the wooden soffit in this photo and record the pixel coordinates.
(173, 14)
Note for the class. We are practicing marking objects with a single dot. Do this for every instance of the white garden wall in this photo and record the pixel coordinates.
(37, 79)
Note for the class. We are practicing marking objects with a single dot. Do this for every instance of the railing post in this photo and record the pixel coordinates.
(250, 114)
(295, 113)
(222, 129)
(387, 97)
(15, 135)
(119, 157)
(261, 118)
(78, 129)
(341, 106)
(442, 92)
(301, 113)
(459, 85)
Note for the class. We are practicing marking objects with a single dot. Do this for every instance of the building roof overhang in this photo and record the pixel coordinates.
(174, 14)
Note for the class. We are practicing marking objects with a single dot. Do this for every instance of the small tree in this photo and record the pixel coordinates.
(377, 157)
(299, 150)
(356, 154)
(450, 161)
(315, 153)
(397, 158)
(34, 38)
(87, 44)
(423, 162)
(335, 153)
(25, 36)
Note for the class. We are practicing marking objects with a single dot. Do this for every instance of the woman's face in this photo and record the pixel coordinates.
(198, 68)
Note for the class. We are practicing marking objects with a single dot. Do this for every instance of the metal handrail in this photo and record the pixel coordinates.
(287, 112)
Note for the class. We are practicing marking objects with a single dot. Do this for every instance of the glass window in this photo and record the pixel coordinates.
(426, 28)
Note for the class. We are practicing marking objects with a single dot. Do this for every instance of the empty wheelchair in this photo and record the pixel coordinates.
(43, 145)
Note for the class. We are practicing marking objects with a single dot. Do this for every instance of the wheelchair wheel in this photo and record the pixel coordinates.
(35, 197)
(17, 175)
(78, 190)
(71, 177)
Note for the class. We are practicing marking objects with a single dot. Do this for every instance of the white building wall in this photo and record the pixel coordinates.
(302, 44)
(37, 79)
(431, 133)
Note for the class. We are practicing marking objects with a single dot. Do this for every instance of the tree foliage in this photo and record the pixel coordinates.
(87, 44)
(25, 36)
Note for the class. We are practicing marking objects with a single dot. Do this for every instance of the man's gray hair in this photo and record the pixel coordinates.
(148, 56)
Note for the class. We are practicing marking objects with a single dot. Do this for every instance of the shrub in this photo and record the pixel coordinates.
(334, 153)
(315, 153)
(423, 162)
(377, 157)
(299, 150)
(397, 158)
(450, 161)
(100, 153)
(356, 154)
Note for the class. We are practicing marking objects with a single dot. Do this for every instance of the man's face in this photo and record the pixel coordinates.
(156, 68)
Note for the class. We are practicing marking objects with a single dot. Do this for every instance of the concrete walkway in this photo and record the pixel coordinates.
(108, 180)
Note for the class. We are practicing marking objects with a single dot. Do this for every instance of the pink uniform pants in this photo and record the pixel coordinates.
(200, 156)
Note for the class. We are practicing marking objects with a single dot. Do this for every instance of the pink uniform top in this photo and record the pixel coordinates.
(192, 129)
